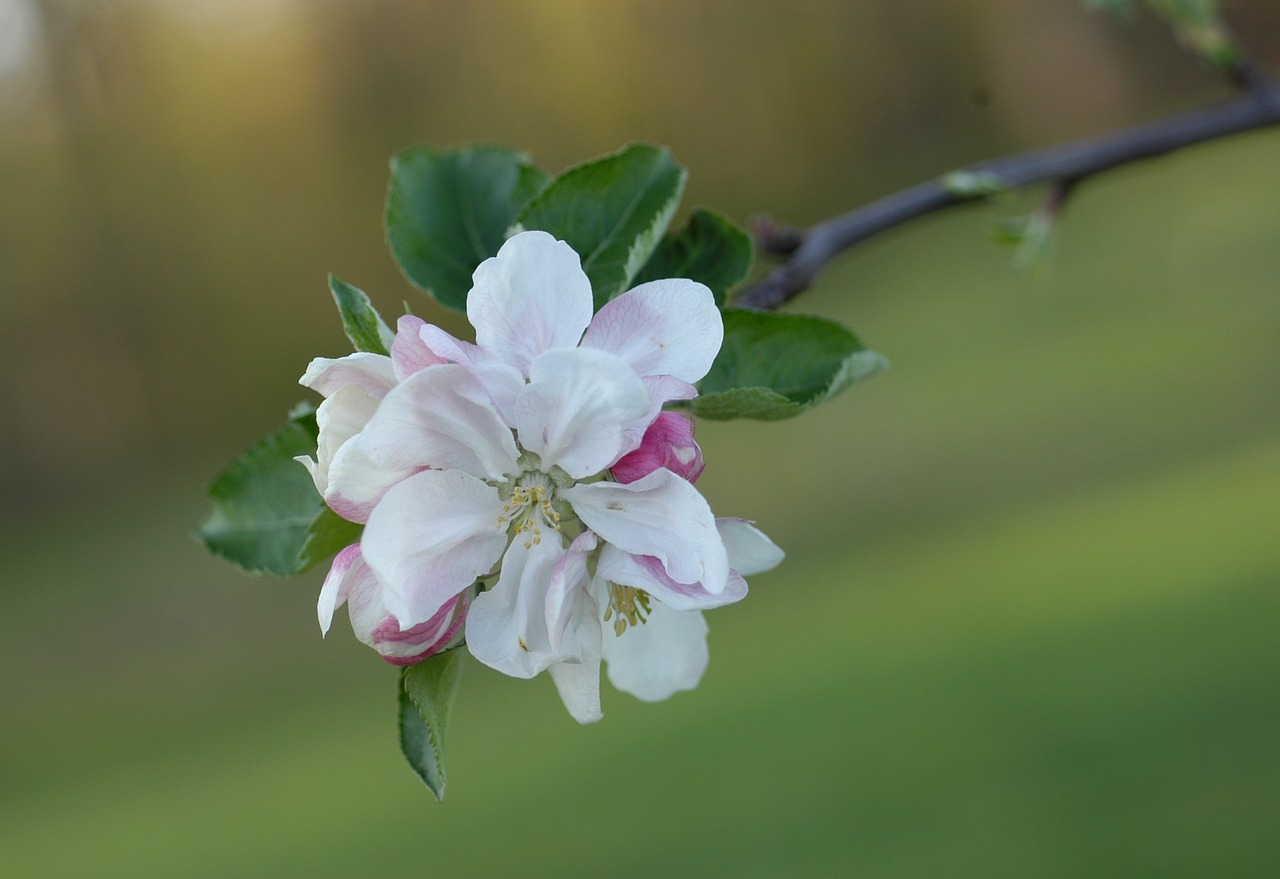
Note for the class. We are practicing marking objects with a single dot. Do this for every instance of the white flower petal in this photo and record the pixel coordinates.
(373, 372)
(660, 515)
(569, 578)
(355, 482)
(339, 418)
(507, 626)
(581, 410)
(664, 388)
(669, 327)
(532, 297)
(664, 655)
(429, 538)
(578, 684)
(441, 418)
(646, 573)
(503, 381)
(750, 550)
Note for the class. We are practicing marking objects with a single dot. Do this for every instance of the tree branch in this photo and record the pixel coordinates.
(1065, 164)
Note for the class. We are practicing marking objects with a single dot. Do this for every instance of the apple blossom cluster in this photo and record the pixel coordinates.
(528, 493)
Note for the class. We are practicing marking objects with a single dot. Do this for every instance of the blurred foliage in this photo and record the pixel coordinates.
(1027, 622)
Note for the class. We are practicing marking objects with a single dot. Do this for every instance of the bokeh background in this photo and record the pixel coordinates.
(1027, 626)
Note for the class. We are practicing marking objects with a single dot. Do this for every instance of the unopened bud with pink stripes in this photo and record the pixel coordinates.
(667, 443)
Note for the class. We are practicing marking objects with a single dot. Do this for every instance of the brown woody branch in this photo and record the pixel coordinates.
(1064, 165)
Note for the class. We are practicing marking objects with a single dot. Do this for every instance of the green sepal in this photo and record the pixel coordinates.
(265, 503)
(327, 535)
(710, 249)
(612, 211)
(774, 366)
(426, 697)
(449, 211)
(360, 320)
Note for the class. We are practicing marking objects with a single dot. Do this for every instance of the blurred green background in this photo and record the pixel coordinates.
(1027, 626)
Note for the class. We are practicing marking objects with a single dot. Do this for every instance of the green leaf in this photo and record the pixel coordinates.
(362, 323)
(448, 212)
(426, 697)
(710, 249)
(264, 503)
(612, 211)
(774, 366)
(327, 535)
(1198, 25)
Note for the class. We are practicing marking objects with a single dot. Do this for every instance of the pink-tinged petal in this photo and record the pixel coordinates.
(381, 631)
(647, 573)
(661, 389)
(578, 684)
(667, 443)
(507, 626)
(336, 588)
(430, 537)
(669, 327)
(662, 656)
(373, 372)
(356, 482)
(660, 515)
(750, 551)
(351, 581)
(409, 353)
(503, 381)
(532, 297)
(579, 410)
(441, 418)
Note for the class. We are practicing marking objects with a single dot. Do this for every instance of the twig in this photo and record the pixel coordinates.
(1067, 164)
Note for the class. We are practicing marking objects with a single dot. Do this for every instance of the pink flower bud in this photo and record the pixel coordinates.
(667, 443)
(351, 582)
(416, 643)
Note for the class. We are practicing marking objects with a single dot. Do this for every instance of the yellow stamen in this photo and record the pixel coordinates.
(627, 607)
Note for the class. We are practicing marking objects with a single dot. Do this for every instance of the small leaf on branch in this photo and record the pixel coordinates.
(265, 503)
(1199, 27)
(1031, 234)
(774, 366)
(449, 211)
(612, 211)
(426, 697)
(1197, 24)
(710, 249)
(361, 322)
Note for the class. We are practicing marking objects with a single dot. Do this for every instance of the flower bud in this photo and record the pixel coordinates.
(350, 581)
(667, 443)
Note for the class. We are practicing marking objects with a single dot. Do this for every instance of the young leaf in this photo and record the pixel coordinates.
(612, 211)
(709, 249)
(426, 696)
(774, 366)
(264, 503)
(362, 323)
(448, 212)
